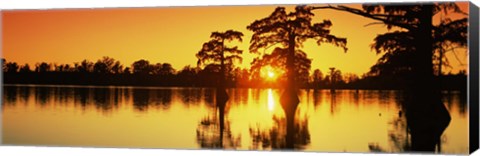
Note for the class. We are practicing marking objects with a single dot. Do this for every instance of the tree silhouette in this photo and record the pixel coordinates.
(107, 65)
(43, 67)
(4, 67)
(127, 70)
(334, 77)
(188, 75)
(214, 130)
(142, 67)
(149, 74)
(290, 30)
(278, 58)
(241, 77)
(164, 69)
(61, 68)
(427, 116)
(350, 77)
(117, 68)
(217, 54)
(398, 47)
(417, 20)
(84, 67)
(273, 138)
(100, 67)
(12, 67)
(316, 78)
(449, 35)
(25, 68)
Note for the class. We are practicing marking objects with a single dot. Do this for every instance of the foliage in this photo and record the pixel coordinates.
(277, 60)
(216, 54)
(398, 46)
(404, 49)
(141, 67)
(290, 31)
(281, 28)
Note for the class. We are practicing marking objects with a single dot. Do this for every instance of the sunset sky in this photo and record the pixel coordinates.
(173, 35)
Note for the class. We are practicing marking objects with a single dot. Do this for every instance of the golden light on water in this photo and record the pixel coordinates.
(271, 102)
(102, 117)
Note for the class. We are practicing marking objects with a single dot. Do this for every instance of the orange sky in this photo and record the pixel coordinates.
(170, 35)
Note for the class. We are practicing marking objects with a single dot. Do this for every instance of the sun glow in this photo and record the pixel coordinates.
(269, 73)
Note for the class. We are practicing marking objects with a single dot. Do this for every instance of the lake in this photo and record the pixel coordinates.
(187, 118)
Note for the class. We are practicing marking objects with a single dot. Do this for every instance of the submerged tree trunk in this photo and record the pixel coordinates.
(332, 80)
(289, 98)
(290, 133)
(426, 114)
(221, 100)
(222, 96)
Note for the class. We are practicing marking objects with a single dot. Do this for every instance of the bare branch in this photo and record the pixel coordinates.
(373, 23)
(378, 17)
(265, 49)
(456, 56)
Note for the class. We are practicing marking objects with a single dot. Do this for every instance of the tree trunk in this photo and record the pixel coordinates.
(426, 114)
(289, 98)
(290, 133)
(221, 113)
(222, 67)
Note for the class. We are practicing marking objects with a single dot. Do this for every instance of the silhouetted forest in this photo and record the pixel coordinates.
(217, 58)
(108, 71)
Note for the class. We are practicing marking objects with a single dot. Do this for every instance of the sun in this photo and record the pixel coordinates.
(270, 74)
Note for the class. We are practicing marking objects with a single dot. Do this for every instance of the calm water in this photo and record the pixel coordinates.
(187, 118)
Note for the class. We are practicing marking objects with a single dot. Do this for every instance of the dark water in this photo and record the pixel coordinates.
(348, 120)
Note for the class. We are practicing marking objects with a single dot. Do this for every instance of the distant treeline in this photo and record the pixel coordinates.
(107, 71)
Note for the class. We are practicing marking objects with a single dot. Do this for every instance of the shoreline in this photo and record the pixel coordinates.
(190, 87)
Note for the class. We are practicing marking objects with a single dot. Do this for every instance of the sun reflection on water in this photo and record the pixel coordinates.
(270, 100)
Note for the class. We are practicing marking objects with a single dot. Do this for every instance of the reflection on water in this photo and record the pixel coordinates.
(345, 120)
(214, 130)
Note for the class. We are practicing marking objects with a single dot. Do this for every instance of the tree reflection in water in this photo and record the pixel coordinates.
(400, 133)
(275, 137)
(214, 130)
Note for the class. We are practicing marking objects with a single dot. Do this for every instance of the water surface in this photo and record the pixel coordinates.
(186, 118)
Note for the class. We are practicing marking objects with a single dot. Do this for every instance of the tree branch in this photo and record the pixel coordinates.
(373, 23)
(265, 49)
(379, 17)
(455, 54)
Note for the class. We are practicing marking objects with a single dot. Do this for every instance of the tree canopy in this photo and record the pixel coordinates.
(216, 53)
(289, 31)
